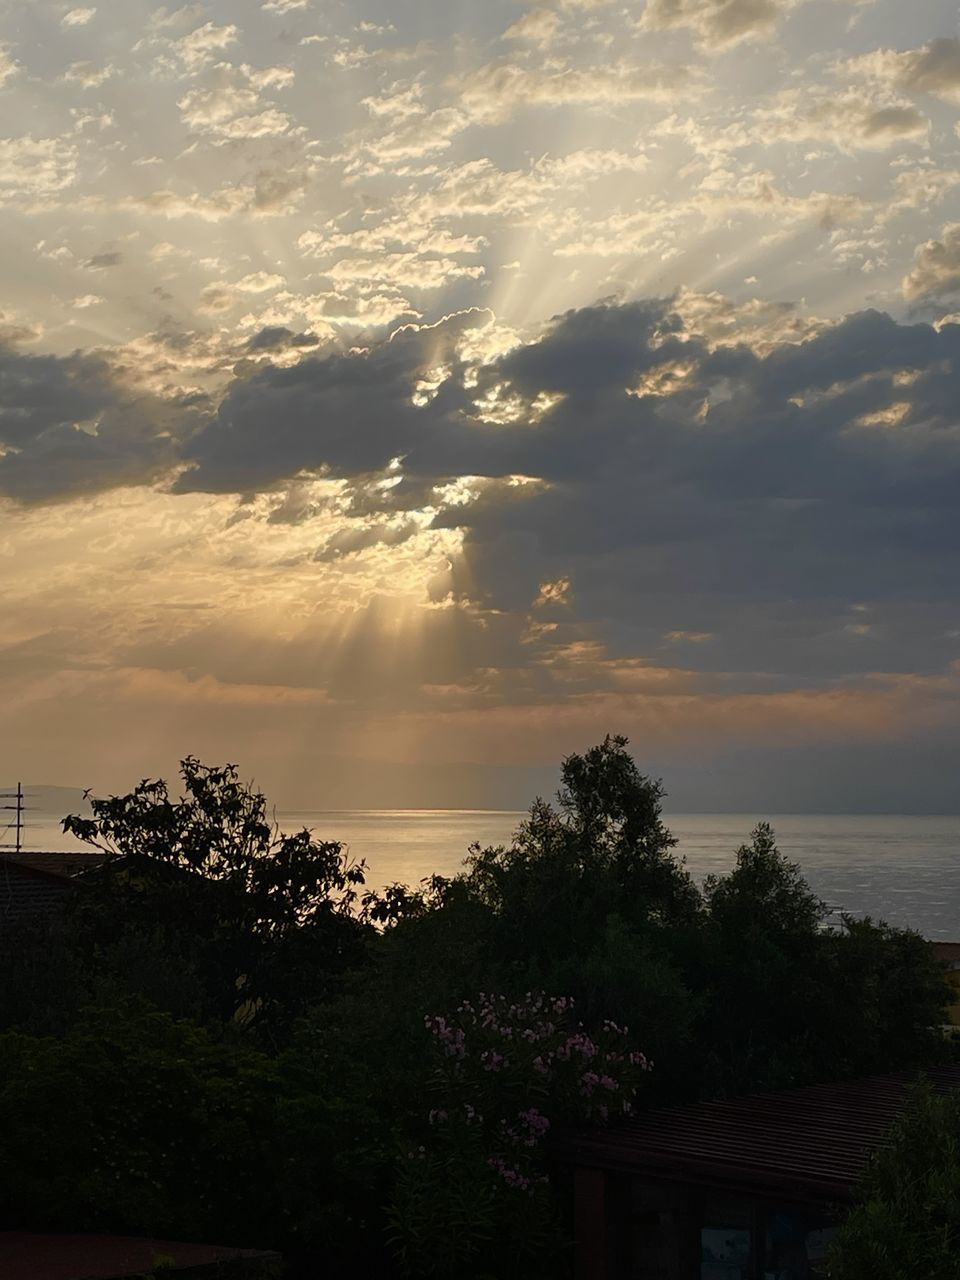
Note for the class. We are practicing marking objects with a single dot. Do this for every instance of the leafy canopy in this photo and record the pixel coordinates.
(906, 1225)
(210, 867)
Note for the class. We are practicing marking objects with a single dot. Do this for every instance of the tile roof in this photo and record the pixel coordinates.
(56, 863)
(807, 1142)
(26, 892)
(64, 1257)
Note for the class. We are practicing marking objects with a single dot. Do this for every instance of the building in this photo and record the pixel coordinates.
(745, 1189)
(65, 1257)
(39, 884)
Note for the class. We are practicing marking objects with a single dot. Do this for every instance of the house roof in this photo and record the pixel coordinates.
(64, 1257)
(33, 884)
(57, 864)
(809, 1143)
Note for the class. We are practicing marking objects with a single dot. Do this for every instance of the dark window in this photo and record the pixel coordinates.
(797, 1240)
(727, 1239)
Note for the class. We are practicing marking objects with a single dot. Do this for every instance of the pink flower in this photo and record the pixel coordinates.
(535, 1121)
(493, 1061)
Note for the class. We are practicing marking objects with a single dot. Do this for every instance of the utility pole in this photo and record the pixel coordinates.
(13, 803)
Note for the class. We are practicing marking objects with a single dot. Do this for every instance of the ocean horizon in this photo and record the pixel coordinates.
(904, 869)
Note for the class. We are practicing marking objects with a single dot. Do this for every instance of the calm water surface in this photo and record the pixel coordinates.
(904, 870)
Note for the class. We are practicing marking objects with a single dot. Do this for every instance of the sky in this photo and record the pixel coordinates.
(395, 398)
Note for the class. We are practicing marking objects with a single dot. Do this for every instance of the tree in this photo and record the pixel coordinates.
(789, 1000)
(760, 965)
(267, 917)
(888, 998)
(602, 851)
(906, 1224)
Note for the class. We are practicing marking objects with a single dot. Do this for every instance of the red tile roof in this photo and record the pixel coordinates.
(805, 1142)
(56, 1257)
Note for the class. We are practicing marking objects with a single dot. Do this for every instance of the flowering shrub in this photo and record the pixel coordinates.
(473, 1198)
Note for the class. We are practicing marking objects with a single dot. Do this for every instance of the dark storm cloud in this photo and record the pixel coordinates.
(790, 521)
(346, 414)
(68, 426)
(277, 337)
(798, 507)
(40, 393)
(793, 507)
(101, 261)
(596, 349)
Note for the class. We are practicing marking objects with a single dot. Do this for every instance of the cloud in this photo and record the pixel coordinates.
(329, 392)
(164, 19)
(496, 91)
(919, 188)
(230, 103)
(666, 512)
(203, 44)
(359, 537)
(401, 271)
(14, 330)
(34, 168)
(722, 24)
(88, 75)
(716, 23)
(480, 188)
(271, 192)
(9, 67)
(583, 502)
(415, 129)
(936, 270)
(778, 486)
(934, 68)
(101, 261)
(536, 26)
(848, 119)
(259, 282)
(77, 17)
(278, 336)
(71, 425)
(222, 296)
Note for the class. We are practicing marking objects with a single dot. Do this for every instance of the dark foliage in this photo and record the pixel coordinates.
(225, 1040)
(252, 912)
(906, 1225)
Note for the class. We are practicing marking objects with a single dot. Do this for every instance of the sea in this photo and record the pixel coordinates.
(905, 870)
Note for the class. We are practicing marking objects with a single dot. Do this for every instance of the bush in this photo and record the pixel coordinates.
(906, 1225)
(473, 1198)
(138, 1124)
